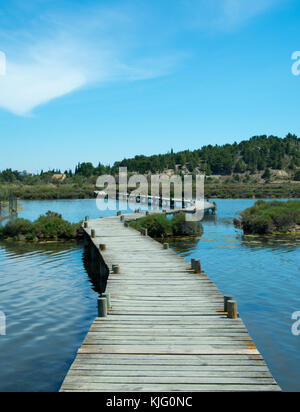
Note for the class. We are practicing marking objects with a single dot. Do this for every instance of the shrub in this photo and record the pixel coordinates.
(297, 176)
(269, 217)
(159, 226)
(182, 227)
(17, 227)
(49, 226)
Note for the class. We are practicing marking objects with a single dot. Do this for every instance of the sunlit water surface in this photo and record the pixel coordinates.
(50, 302)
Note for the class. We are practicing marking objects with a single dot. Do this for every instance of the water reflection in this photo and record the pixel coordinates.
(284, 242)
(49, 305)
(50, 301)
(95, 267)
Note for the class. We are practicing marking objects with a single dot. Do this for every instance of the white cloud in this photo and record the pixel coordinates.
(61, 53)
(84, 51)
(236, 12)
(220, 15)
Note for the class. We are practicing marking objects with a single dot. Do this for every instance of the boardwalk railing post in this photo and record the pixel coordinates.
(93, 233)
(166, 246)
(102, 247)
(198, 267)
(107, 296)
(116, 269)
(102, 307)
(86, 218)
(85, 225)
(226, 299)
(232, 312)
(193, 266)
(144, 232)
(122, 218)
(119, 213)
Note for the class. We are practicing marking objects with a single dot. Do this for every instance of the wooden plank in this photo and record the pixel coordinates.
(156, 388)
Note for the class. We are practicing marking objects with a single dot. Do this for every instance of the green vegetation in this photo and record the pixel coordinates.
(270, 217)
(297, 176)
(50, 226)
(257, 154)
(261, 167)
(159, 226)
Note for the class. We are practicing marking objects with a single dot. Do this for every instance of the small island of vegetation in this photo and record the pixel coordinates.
(266, 218)
(159, 226)
(50, 226)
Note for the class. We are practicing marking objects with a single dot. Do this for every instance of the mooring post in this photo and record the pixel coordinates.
(93, 233)
(122, 218)
(102, 307)
(126, 224)
(232, 312)
(102, 247)
(116, 269)
(119, 213)
(144, 232)
(226, 299)
(85, 225)
(166, 246)
(198, 267)
(86, 218)
(107, 296)
(193, 261)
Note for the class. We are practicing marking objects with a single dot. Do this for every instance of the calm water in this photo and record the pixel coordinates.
(50, 302)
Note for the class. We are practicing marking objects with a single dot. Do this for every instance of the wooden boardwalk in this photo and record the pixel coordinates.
(167, 329)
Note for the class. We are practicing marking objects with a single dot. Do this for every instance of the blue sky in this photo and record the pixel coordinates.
(103, 80)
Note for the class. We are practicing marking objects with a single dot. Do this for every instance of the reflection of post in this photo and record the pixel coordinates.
(2, 324)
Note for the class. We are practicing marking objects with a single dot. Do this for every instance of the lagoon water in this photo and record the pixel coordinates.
(50, 302)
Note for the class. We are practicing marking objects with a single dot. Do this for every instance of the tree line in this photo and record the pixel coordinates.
(260, 153)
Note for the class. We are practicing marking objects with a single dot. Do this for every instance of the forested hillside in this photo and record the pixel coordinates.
(257, 154)
(260, 154)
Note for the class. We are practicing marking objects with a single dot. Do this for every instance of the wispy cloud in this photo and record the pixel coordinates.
(53, 54)
(71, 53)
(220, 15)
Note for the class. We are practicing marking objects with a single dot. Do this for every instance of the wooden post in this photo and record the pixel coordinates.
(86, 218)
(226, 299)
(122, 218)
(126, 224)
(93, 233)
(166, 246)
(147, 213)
(119, 213)
(198, 267)
(232, 312)
(107, 296)
(102, 307)
(193, 266)
(102, 247)
(144, 232)
(116, 269)
(85, 225)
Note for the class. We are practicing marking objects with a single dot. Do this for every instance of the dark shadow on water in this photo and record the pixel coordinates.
(95, 268)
